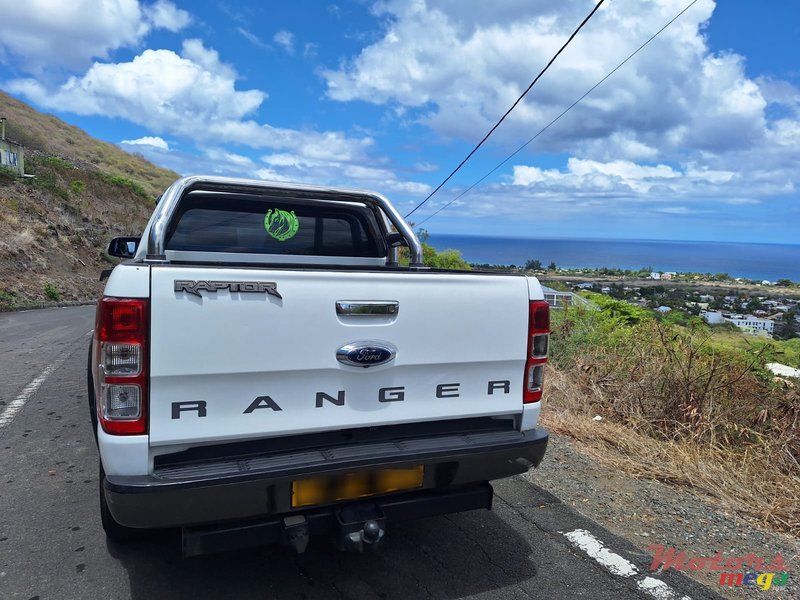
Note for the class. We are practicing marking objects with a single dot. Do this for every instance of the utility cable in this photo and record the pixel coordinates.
(513, 106)
(551, 123)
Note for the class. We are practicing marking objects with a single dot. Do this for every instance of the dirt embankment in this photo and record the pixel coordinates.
(54, 231)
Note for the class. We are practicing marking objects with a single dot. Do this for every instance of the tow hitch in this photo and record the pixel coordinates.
(361, 526)
(354, 527)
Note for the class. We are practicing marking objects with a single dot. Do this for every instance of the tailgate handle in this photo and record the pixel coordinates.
(358, 308)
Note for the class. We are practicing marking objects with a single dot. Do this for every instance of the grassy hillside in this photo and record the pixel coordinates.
(55, 227)
(49, 135)
(680, 404)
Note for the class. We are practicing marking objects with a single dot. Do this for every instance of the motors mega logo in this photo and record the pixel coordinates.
(737, 571)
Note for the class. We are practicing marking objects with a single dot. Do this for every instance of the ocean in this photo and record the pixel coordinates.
(752, 261)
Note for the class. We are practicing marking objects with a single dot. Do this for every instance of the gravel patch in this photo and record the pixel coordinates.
(649, 512)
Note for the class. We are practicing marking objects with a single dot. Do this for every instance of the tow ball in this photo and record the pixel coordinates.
(361, 526)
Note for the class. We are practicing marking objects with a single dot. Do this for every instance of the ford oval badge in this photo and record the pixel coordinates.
(366, 353)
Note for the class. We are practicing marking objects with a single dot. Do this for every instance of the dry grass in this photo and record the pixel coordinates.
(50, 135)
(676, 411)
(25, 239)
(745, 483)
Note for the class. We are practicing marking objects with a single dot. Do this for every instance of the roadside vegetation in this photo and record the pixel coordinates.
(676, 402)
(54, 226)
(436, 259)
(46, 134)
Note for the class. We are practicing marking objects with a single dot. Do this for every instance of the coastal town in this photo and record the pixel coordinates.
(755, 311)
(761, 308)
(766, 314)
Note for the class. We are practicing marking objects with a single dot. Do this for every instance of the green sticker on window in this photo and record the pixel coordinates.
(281, 224)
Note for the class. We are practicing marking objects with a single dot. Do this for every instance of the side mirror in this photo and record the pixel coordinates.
(123, 247)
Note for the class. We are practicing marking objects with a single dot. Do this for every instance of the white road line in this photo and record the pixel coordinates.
(595, 549)
(17, 403)
(617, 565)
(659, 590)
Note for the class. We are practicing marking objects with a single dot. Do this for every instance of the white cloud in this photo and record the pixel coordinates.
(252, 38)
(208, 58)
(40, 33)
(165, 15)
(476, 58)
(158, 88)
(191, 96)
(676, 210)
(294, 167)
(679, 123)
(425, 167)
(625, 179)
(148, 140)
(285, 39)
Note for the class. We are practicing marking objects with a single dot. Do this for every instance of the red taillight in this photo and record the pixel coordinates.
(120, 365)
(538, 341)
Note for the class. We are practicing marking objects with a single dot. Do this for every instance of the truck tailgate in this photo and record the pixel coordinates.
(232, 365)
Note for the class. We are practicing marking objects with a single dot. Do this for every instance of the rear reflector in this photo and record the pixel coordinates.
(120, 365)
(538, 342)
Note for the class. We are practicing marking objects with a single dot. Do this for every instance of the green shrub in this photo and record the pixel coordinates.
(44, 179)
(51, 292)
(8, 300)
(446, 259)
(55, 162)
(7, 175)
(77, 187)
(124, 182)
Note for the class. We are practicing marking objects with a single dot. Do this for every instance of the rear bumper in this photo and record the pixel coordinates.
(259, 487)
(327, 521)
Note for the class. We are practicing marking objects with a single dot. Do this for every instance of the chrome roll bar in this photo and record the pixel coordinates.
(166, 207)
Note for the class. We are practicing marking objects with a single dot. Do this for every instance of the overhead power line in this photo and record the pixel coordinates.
(565, 111)
(513, 106)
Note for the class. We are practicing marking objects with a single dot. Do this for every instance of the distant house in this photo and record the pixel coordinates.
(700, 305)
(747, 323)
(655, 275)
(664, 309)
(585, 286)
(12, 154)
(706, 298)
(712, 317)
(667, 275)
(766, 282)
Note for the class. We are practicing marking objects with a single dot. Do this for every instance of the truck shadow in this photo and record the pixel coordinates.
(441, 557)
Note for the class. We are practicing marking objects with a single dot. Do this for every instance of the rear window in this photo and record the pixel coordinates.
(264, 226)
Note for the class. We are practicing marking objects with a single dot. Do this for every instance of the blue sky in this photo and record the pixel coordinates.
(696, 138)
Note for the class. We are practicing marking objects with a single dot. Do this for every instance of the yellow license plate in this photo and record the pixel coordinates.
(350, 486)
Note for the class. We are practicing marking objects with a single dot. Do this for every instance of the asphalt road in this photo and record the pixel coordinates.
(52, 545)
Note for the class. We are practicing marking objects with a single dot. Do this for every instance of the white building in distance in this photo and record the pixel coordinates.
(747, 323)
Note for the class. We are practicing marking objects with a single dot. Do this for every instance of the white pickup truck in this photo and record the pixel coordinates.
(263, 371)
